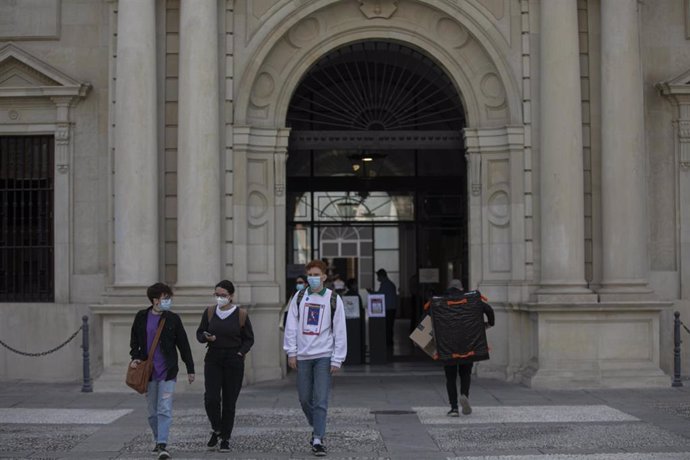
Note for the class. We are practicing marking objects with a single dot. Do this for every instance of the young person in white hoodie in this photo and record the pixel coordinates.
(316, 345)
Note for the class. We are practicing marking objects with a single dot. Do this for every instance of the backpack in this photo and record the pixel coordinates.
(334, 302)
(241, 311)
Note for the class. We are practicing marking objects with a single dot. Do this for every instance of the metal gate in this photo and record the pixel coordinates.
(26, 219)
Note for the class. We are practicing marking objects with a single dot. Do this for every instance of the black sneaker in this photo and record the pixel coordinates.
(319, 450)
(163, 452)
(224, 445)
(156, 449)
(213, 442)
(453, 412)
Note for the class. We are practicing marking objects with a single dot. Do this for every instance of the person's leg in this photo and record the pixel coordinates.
(213, 378)
(451, 385)
(166, 390)
(233, 373)
(322, 386)
(465, 372)
(152, 407)
(305, 387)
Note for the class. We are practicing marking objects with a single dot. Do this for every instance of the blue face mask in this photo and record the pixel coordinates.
(165, 304)
(300, 286)
(314, 281)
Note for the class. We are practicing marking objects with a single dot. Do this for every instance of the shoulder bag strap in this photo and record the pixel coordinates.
(155, 339)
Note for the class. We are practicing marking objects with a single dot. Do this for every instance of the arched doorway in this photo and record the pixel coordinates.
(376, 173)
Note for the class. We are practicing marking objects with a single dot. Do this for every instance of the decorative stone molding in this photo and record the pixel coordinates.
(378, 8)
(677, 91)
(46, 93)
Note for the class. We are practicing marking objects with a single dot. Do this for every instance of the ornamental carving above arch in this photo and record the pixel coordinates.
(487, 99)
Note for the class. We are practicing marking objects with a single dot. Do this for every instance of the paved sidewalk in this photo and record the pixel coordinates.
(395, 412)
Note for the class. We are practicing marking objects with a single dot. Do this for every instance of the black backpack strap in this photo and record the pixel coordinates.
(243, 315)
(334, 304)
(209, 313)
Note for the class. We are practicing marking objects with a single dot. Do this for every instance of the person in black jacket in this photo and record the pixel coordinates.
(162, 385)
(227, 331)
(464, 370)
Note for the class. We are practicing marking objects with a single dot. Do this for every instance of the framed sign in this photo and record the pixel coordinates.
(428, 275)
(351, 304)
(376, 305)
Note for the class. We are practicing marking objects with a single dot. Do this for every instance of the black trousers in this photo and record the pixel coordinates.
(223, 374)
(465, 373)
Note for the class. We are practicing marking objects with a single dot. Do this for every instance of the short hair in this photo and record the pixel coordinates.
(301, 277)
(227, 285)
(155, 291)
(455, 284)
(381, 272)
(320, 264)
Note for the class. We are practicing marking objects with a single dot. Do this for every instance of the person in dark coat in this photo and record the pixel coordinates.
(454, 369)
(162, 385)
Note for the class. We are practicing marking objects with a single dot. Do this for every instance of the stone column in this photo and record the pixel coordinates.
(561, 176)
(136, 146)
(623, 176)
(198, 155)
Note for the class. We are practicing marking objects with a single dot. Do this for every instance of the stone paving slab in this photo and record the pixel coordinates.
(61, 416)
(593, 436)
(524, 414)
(596, 456)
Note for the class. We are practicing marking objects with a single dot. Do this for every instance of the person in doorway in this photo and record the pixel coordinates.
(316, 344)
(338, 284)
(227, 331)
(300, 284)
(454, 369)
(165, 367)
(388, 289)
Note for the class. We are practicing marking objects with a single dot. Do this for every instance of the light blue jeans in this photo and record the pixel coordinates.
(160, 404)
(313, 387)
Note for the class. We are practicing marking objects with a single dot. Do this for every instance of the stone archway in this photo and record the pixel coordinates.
(474, 56)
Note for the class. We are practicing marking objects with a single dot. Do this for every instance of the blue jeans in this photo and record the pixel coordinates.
(160, 403)
(313, 386)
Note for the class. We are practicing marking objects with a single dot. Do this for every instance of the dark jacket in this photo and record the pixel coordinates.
(173, 336)
(229, 334)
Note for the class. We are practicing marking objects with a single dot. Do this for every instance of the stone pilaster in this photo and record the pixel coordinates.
(136, 147)
(198, 159)
(561, 176)
(624, 172)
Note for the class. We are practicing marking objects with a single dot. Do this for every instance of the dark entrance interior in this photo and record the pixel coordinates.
(377, 175)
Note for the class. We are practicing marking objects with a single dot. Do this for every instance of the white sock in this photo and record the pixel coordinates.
(317, 441)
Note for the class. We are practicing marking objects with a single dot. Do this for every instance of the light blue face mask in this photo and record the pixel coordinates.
(165, 304)
(314, 281)
(300, 286)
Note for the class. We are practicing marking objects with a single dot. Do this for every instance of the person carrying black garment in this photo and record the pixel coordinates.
(461, 367)
(227, 331)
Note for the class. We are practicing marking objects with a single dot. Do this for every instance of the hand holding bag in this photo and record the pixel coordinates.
(138, 378)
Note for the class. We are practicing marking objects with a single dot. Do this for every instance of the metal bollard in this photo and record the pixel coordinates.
(86, 386)
(676, 351)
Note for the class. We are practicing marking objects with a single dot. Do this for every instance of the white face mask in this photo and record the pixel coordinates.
(222, 301)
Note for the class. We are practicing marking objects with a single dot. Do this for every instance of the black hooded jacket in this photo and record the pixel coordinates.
(173, 336)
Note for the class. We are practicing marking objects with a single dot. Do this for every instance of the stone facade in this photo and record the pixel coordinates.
(169, 126)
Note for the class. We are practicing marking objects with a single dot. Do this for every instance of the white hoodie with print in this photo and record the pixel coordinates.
(311, 333)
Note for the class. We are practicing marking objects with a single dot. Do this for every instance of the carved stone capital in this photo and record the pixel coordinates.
(378, 8)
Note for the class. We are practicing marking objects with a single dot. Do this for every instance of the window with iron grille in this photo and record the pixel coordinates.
(26, 219)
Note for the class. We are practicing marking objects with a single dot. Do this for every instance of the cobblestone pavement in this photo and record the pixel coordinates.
(395, 412)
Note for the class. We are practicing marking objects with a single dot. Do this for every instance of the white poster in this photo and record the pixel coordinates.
(428, 275)
(351, 304)
(376, 305)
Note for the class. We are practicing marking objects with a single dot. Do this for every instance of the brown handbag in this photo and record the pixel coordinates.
(138, 378)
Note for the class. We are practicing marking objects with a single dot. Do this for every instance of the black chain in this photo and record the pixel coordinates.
(685, 327)
(43, 353)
